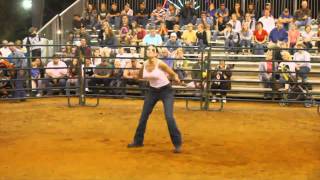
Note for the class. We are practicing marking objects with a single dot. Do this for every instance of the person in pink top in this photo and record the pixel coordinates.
(293, 36)
(156, 72)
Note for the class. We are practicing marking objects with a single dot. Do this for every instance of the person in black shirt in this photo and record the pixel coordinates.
(142, 15)
(237, 10)
(77, 22)
(114, 16)
(219, 28)
(202, 40)
(187, 14)
(102, 13)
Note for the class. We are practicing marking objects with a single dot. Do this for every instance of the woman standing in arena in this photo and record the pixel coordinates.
(155, 71)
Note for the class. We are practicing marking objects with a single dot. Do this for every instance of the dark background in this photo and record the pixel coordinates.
(15, 21)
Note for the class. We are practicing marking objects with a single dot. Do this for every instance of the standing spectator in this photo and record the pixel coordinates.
(267, 21)
(56, 73)
(307, 36)
(158, 15)
(286, 18)
(245, 38)
(142, 15)
(171, 17)
(236, 24)
(102, 15)
(189, 36)
(278, 34)
(221, 81)
(113, 16)
(33, 39)
(252, 11)
(231, 38)
(187, 14)
(303, 15)
(238, 11)
(173, 43)
(250, 23)
(302, 59)
(152, 38)
(260, 37)
(223, 12)
(5, 50)
(293, 37)
(202, 39)
(73, 75)
(90, 17)
(212, 12)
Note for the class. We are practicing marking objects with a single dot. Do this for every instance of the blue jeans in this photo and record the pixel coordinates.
(165, 94)
(304, 23)
(303, 72)
(259, 49)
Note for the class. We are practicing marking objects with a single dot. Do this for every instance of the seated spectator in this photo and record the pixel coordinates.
(189, 36)
(293, 37)
(36, 83)
(165, 56)
(205, 20)
(266, 69)
(173, 43)
(152, 38)
(127, 11)
(77, 22)
(5, 50)
(88, 72)
(56, 76)
(252, 11)
(307, 36)
(171, 17)
(219, 28)
(267, 21)
(163, 31)
(113, 16)
(221, 81)
(231, 38)
(141, 33)
(187, 14)
(238, 11)
(131, 72)
(223, 12)
(302, 60)
(268, 7)
(209, 34)
(124, 30)
(318, 39)
(245, 38)
(123, 57)
(176, 29)
(83, 50)
(250, 23)
(260, 37)
(202, 39)
(89, 17)
(108, 38)
(73, 75)
(96, 57)
(180, 63)
(303, 15)
(101, 76)
(278, 34)
(158, 15)
(236, 24)
(142, 14)
(116, 82)
(102, 15)
(212, 12)
(83, 34)
(286, 18)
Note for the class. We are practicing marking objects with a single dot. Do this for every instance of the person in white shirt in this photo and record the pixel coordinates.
(127, 11)
(302, 60)
(236, 24)
(267, 21)
(33, 39)
(56, 73)
(307, 36)
(5, 50)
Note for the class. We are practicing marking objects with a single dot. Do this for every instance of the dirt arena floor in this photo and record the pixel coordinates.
(46, 140)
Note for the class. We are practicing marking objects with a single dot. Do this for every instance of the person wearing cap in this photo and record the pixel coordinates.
(223, 12)
(56, 74)
(187, 14)
(173, 43)
(303, 15)
(152, 38)
(286, 18)
(302, 60)
(33, 39)
(5, 50)
(278, 34)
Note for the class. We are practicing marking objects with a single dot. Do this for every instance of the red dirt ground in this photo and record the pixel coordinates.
(44, 139)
